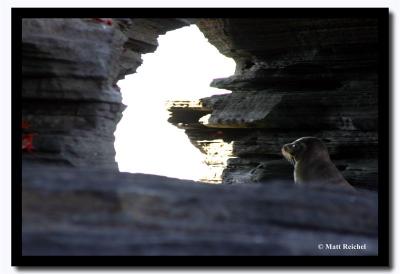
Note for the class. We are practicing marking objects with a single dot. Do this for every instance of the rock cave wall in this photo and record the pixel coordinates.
(294, 77)
(71, 102)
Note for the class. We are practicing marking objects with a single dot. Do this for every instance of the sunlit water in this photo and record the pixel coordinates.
(181, 69)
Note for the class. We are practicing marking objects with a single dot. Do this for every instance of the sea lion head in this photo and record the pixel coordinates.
(305, 147)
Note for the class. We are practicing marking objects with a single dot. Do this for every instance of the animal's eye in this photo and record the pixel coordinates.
(294, 145)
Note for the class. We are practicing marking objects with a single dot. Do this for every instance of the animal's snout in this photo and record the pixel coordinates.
(285, 148)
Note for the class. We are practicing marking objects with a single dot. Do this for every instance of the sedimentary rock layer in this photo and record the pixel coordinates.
(70, 98)
(294, 77)
(89, 212)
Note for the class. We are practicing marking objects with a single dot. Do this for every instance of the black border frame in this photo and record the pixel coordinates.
(384, 167)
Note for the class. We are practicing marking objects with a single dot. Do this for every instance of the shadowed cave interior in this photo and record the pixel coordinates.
(293, 78)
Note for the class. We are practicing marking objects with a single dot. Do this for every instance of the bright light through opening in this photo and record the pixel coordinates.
(181, 69)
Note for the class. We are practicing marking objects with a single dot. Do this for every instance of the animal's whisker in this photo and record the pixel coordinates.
(289, 157)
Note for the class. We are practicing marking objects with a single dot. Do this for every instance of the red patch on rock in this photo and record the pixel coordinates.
(27, 142)
(106, 21)
(27, 138)
(25, 124)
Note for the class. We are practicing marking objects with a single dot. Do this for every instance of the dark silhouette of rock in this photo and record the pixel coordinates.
(98, 212)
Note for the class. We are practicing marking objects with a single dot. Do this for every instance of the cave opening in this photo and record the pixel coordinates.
(181, 68)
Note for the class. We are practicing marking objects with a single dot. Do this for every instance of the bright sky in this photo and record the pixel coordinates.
(181, 69)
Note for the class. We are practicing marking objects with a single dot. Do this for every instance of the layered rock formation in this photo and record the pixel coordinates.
(70, 97)
(294, 78)
(211, 142)
(89, 212)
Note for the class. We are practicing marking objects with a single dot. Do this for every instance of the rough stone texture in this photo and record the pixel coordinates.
(216, 150)
(70, 97)
(294, 78)
(93, 212)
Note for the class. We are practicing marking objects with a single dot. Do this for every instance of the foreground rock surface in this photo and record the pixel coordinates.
(91, 212)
